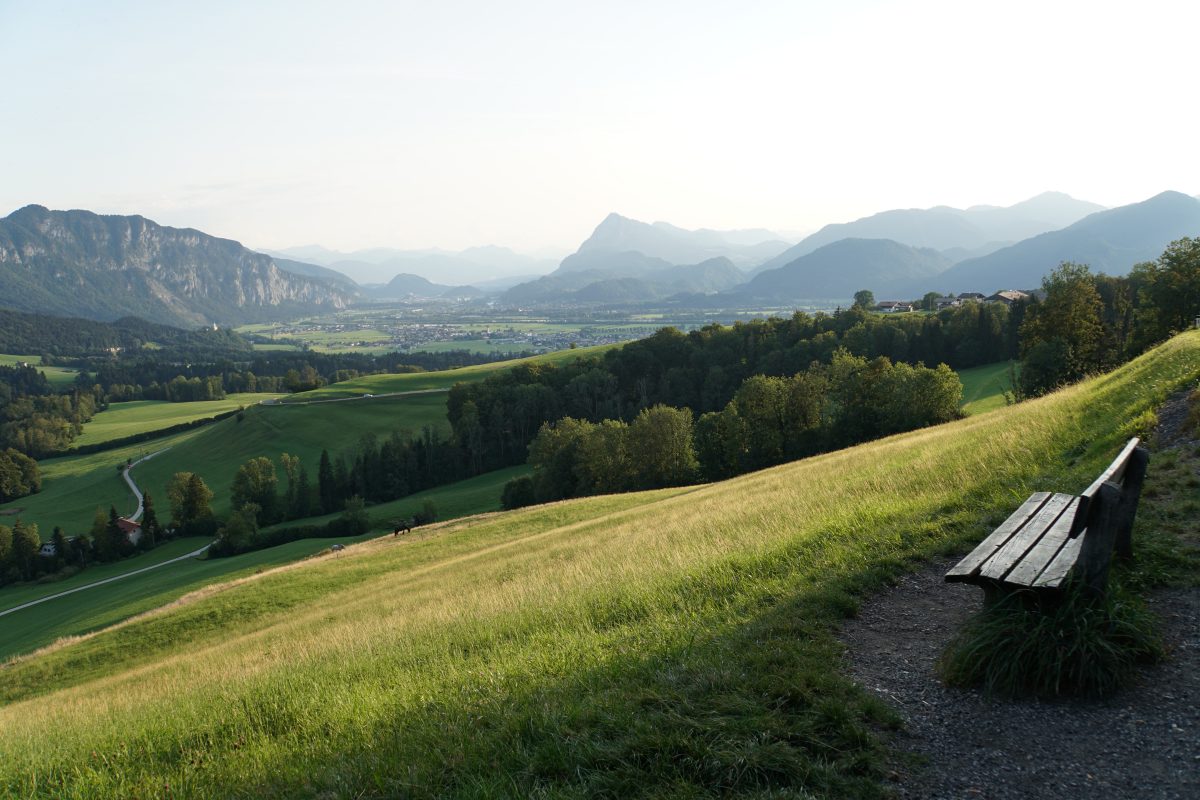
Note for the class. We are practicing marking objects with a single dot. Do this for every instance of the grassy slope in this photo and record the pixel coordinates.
(141, 416)
(663, 643)
(73, 486)
(442, 379)
(59, 377)
(984, 387)
(28, 629)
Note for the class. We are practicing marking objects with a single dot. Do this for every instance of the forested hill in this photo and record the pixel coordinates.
(77, 263)
(71, 337)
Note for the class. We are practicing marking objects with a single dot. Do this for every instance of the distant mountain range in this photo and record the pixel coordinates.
(1107, 241)
(379, 265)
(633, 278)
(961, 233)
(661, 240)
(76, 263)
(405, 286)
(841, 268)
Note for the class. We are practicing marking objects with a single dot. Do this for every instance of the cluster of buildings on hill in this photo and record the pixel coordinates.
(1007, 296)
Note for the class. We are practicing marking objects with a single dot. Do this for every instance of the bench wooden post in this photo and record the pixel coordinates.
(1135, 475)
(1096, 551)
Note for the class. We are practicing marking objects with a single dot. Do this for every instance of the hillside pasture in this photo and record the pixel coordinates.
(142, 416)
(441, 379)
(984, 387)
(668, 643)
(91, 609)
(59, 377)
(74, 486)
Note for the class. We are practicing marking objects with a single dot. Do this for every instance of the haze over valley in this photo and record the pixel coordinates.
(786, 400)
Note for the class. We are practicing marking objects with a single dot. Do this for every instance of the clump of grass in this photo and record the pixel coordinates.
(1193, 417)
(1075, 646)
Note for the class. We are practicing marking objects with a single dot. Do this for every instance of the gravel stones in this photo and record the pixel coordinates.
(1143, 743)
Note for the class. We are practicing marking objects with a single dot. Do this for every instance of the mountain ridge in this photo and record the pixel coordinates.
(104, 267)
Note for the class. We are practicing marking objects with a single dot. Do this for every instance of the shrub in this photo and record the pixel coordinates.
(517, 493)
(1078, 645)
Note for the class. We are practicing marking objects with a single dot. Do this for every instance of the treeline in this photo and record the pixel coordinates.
(43, 425)
(376, 471)
(158, 377)
(1090, 323)
(57, 338)
(19, 475)
(768, 421)
(494, 420)
(23, 557)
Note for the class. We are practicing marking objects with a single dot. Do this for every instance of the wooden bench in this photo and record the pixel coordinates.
(1053, 537)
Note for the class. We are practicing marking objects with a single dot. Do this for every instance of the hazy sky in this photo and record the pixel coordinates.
(356, 124)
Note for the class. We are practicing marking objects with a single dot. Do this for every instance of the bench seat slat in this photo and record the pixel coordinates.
(969, 567)
(1043, 553)
(1007, 557)
(1054, 575)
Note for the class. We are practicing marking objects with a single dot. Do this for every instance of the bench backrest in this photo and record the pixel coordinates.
(1115, 473)
(1106, 512)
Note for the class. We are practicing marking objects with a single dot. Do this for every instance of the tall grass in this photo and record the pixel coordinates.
(1076, 645)
(671, 643)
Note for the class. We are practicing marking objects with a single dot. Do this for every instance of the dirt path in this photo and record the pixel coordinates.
(278, 402)
(1142, 743)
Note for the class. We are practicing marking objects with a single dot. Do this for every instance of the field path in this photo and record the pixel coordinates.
(133, 486)
(123, 575)
(135, 517)
(354, 397)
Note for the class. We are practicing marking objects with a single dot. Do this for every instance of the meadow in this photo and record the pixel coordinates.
(140, 416)
(671, 643)
(74, 486)
(440, 379)
(30, 628)
(984, 387)
(59, 377)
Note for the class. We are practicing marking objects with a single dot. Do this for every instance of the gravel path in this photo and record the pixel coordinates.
(1143, 743)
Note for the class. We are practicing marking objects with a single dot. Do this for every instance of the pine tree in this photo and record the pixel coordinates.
(151, 530)
(326, 485)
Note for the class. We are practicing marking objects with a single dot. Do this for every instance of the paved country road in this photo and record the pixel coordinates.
(136, 515)
(192, 554)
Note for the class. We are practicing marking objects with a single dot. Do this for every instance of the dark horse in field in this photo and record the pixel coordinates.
(402, 525)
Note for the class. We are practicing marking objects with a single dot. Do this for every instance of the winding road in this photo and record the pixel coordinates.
(135, 517)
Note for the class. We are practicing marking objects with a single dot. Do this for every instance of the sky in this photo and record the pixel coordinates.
(454, 124)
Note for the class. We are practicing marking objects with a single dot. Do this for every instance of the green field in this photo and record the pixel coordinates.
(442, 379)
(74, 486)
(472, 346)
(59, 377)
(139, 416)
(984, 387)
(27, 629)
(677, 643)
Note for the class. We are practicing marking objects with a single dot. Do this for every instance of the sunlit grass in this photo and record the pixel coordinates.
(672, 643)
(440, 379)
(984, 387)
(142, 416)
(25, 630)
(74, 486)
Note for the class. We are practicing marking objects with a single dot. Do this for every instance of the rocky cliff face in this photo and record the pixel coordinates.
(105, 267)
